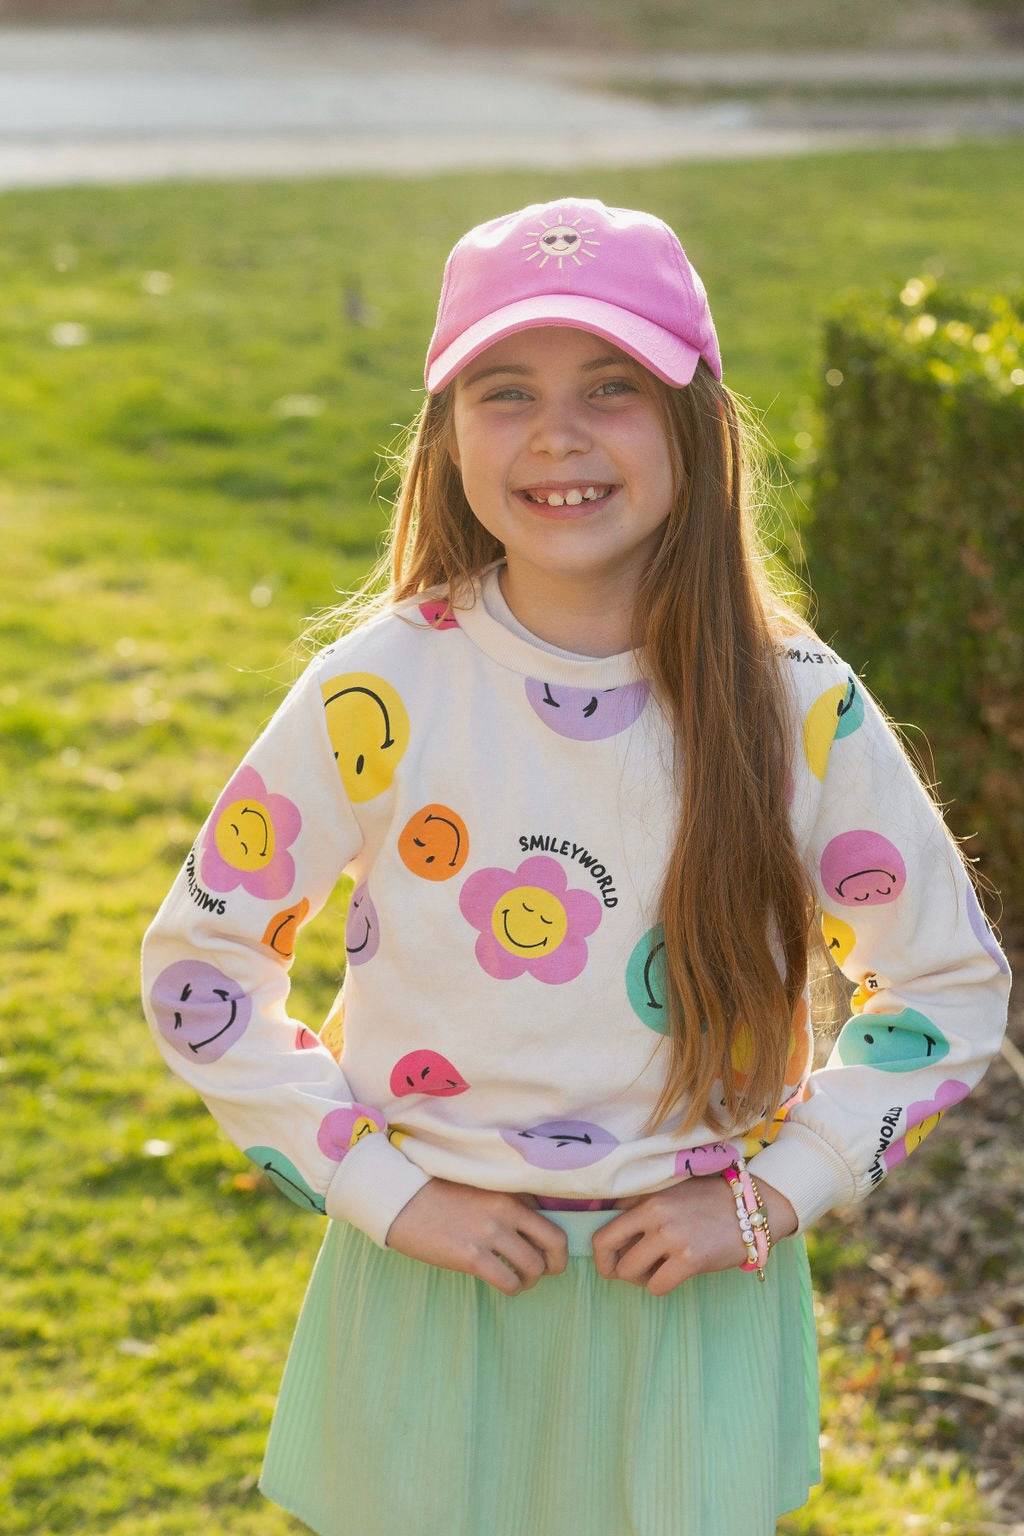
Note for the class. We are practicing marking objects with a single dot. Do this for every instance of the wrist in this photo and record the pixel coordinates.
(782, 1217)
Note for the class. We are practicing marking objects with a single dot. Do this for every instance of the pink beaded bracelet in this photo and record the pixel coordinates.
(751, 1215)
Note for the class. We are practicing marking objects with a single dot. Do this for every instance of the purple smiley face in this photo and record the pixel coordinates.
(583, 715)
(199, 1011)
(562, 1143)
(362, 928)
(862, 869)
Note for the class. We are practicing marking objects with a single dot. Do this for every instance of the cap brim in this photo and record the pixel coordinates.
(672, 360)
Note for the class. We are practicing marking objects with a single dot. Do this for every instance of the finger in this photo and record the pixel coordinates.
(548, 1237)
(665, 1277)
(526, 1260)
(493, 1270)
(638, 1262)
(613, 1239)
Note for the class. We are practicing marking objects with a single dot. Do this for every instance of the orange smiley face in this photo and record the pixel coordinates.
(434, 843)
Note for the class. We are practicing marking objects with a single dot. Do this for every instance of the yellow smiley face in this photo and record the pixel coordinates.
(369, 731)
(529, 921)
(917, 1133)
(364, 1126)
(820, 729)
(839, 937)
(245, 835)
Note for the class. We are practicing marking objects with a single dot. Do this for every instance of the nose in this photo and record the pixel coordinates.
(560, 431)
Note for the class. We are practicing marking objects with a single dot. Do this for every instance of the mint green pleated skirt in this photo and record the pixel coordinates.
(421, 1402)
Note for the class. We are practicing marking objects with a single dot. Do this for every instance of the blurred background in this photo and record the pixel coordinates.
(222, 232)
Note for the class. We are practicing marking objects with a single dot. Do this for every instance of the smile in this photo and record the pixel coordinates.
(520, 943)
(574, 496)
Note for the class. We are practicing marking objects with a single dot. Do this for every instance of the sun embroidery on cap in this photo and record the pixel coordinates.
(560, 241)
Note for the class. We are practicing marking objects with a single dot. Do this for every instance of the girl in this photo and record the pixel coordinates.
(591, 780)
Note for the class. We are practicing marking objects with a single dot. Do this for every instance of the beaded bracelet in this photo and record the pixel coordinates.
(751, 1215)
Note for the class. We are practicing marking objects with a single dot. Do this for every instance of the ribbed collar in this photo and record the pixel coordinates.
(519, 651)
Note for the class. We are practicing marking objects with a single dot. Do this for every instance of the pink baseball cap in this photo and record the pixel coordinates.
(621, 274)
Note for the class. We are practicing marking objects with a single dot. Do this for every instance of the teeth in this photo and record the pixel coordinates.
(570, 498)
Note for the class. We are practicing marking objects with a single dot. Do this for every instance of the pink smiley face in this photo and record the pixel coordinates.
(426, 1072)
(362, 928)
(199, 1011)
(862, 869)
(438, 614)
(713, 1157)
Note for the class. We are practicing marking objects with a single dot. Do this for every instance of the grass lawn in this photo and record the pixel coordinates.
(194, 384)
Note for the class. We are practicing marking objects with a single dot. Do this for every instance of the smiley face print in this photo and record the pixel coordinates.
(530, 921)
(836, 713)
(839, 937)
(362, 928)
(922, 1118)
(247, 842)
(341, 1128)
(562, 1143)
(646, 981)
(891, 1042)
(438, 614)
(369, 730)
(198, 1010)
(862, 869)
(561, 242)
(283, 927)
(582, 715)
(427, 1072)
(282, 1172)
(434, 843)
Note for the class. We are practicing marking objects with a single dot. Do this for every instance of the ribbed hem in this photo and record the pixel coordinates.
(372, 1185)
(811, 1174)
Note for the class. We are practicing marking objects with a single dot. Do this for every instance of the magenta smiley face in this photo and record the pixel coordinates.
(862, 869)
(583, 715)
(199, 1011)
(562, 1143)
(426, 1072)
(362, 928)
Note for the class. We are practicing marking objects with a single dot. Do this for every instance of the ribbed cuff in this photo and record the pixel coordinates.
(371, 1186)
(807, 1170)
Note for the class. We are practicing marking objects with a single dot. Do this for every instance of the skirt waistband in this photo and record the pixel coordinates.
(579, 1227)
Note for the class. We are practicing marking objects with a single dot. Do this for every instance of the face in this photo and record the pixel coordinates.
(564, 457)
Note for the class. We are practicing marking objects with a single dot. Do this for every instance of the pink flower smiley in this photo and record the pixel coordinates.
(250, 829)
(529, 920)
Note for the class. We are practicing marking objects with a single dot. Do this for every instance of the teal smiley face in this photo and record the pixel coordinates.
(892, 1042)
(646, 981)
(281, 1171)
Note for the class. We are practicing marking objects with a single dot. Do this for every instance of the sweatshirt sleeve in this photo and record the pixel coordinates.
(216, 963)
(902, 922)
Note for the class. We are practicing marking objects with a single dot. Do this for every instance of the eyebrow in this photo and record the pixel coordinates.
(520, 371)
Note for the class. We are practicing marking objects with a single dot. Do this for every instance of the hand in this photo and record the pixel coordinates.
(688, 1229)
(502, 1239)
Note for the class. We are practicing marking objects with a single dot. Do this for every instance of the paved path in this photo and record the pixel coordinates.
(106, 104)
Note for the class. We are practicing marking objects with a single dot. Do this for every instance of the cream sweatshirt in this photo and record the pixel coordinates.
(502, 812)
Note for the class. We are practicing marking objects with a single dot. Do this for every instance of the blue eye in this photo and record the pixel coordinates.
(510, 393)
(616, 387)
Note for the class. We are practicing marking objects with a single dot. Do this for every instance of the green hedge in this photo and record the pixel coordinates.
(915, 541)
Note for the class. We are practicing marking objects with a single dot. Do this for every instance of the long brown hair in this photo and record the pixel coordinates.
(736, 905)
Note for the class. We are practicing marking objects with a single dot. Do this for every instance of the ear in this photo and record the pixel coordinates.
(452, 445)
